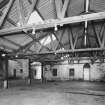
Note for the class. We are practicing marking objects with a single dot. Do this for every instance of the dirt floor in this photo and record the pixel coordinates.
(53, 93)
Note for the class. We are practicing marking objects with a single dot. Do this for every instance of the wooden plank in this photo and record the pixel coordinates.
(6, 12)
(45, 25)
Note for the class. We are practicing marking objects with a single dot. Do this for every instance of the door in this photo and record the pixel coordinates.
(86, 74)
(71, 73)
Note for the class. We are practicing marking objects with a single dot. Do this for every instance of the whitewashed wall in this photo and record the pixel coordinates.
(97, 70)
(18, 64)
(38, 71)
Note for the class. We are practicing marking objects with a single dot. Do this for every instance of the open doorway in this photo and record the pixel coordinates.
(86, 72)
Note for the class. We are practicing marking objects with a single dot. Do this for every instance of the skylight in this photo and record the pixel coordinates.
(47, 40)
(34, 18)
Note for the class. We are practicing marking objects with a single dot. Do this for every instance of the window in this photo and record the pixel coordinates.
(54, 72)
(21, 70)
(71, 72)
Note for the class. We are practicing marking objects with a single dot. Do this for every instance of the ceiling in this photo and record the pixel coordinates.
(52, 30)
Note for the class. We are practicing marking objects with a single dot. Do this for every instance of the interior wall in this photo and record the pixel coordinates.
(97, 71)
(18, 65)
(36, 71)
(63, 71)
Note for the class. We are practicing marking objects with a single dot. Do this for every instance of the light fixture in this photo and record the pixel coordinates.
(55, 53)
(16, 56)
(61, 25)
(3, 55)
(55, 27)
(33, 31)
(61, 58)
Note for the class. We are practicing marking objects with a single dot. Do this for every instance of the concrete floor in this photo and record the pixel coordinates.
(54, 93)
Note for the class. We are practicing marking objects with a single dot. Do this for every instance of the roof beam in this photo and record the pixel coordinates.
(20, 11)
(11, 21)
(7, 48)
(70, 38)
(45, 25)
(97, 35)
(18, 45)
(28, 45)
(3, 3)
(43, 44)
(6, 12)
(31, 10)
(103, 39)
(61, 8)
(58, 40)
(64, 51)
(65, 6)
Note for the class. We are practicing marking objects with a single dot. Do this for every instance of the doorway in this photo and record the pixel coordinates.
(71, 73)
(86, 72)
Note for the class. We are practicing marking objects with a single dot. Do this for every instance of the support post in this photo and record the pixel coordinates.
(42, 73)
(5, 81)
(30, 77)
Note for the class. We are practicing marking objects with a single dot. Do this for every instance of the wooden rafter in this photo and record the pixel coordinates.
(39, 14)
(7, 48)
(28, 45)
(11, 21)
(31, 10)
(43, 44)
(61, 8)
(103, 39)
(20, 12)
(18, 45)
(74, 19)
(6, 12)
(102, 29)
(75, 42)
(24, 48)
(51, 43)
(82, 41)
(62, 34)
(60, 44)
(35, 40)
(62, 51)
(97, 35)
(70, 38)
(65, 6)
(3, 3)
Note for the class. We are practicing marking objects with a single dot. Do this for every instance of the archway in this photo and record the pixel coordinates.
(86, 72)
